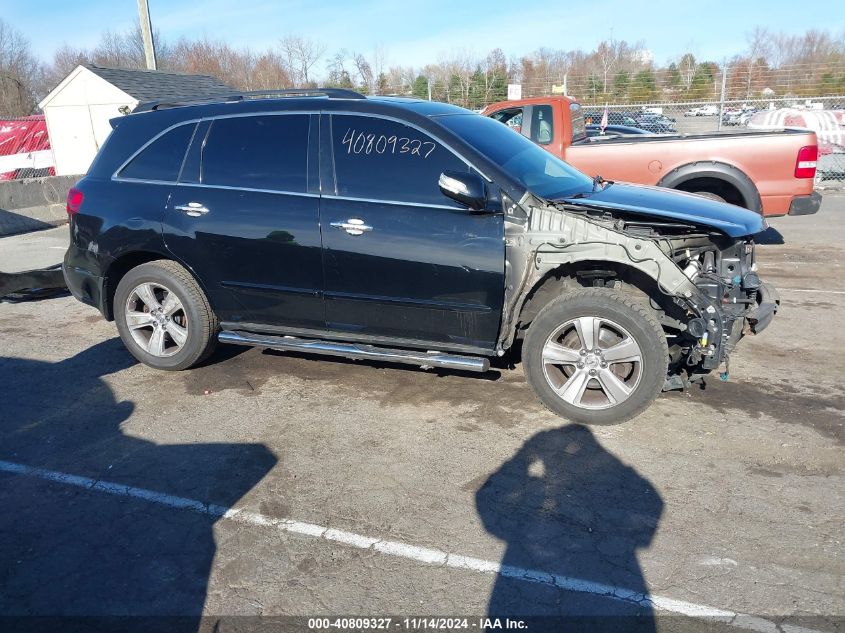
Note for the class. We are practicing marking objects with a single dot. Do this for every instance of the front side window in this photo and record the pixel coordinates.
(381, 159)
(531, 166)
(258, 152)
(161, 159)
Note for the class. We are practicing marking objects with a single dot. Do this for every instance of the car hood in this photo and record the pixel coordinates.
(677, 205)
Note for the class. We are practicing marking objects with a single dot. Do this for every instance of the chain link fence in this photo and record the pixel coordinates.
(824, 115)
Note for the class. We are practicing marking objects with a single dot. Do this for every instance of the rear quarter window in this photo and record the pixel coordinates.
(161, 159)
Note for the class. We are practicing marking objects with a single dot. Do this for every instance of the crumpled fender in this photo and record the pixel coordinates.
(552, 237)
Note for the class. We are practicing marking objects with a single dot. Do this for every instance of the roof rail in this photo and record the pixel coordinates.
(331, 93)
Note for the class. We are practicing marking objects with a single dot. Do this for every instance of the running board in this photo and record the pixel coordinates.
(356, 351)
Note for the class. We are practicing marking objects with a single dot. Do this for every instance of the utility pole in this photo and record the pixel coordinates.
(429, 88)
(722, 94)
(147, 34)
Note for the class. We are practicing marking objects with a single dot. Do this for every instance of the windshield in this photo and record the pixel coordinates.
(534, 168)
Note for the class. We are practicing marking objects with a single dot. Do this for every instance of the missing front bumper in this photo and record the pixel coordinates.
(768, 302)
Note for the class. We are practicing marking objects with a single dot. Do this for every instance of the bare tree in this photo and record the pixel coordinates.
(20, 73)
(301, 54)
(270, 73)
(687, 67)
(607, 54)
(65, 59)
(365, 72)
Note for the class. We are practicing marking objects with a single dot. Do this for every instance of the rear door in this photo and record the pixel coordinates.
(401, 260)
(244, 218)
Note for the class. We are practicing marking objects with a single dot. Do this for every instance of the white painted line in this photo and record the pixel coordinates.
(410, 552)
(829, 292)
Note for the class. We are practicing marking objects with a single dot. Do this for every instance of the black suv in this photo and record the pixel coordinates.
(405, 231)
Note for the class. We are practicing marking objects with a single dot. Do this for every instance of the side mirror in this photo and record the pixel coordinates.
(468, 189)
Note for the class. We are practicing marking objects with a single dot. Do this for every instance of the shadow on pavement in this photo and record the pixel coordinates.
(68, 551)
(566, 506)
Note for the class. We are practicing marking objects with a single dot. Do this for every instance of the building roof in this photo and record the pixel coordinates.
(155, 85)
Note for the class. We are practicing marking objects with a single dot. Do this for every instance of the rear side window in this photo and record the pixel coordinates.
(258, 152)
(161, 159)
(382, 159)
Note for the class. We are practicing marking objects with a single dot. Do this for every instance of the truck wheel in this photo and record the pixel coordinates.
(164, 317)
(595, 356)
(711, 195)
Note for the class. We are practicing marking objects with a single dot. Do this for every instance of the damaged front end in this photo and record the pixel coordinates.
(733, 301)
(702, 282)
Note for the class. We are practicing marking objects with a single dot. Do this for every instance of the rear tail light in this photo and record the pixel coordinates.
(805, 165)
(74, 201)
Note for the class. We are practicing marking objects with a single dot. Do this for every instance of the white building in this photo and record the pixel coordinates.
(78, 110)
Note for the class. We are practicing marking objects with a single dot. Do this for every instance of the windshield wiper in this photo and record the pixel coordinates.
(599, 183)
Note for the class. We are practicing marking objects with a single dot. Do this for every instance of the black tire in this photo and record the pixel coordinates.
(711, 195)
(640, 323)
(198, 318)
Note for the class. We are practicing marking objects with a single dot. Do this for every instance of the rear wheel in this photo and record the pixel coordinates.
(711, 195)
(595, 356)
(164, 317)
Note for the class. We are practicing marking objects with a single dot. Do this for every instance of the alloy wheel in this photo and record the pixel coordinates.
(592, 362)
(156, 319)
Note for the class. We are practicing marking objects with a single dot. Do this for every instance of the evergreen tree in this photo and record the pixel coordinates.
(644, 86)
(621, 84)
(420, 87)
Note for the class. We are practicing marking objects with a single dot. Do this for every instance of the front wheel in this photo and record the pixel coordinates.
(596, 357)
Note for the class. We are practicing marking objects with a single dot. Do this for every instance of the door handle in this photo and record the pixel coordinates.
(353, 226)
(193, 209)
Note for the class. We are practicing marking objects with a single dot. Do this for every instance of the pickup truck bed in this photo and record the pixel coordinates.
(770, 172)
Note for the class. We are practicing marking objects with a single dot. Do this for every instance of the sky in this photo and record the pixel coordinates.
(415, 33)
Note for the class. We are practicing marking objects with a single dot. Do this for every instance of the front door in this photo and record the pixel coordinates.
(244, 216)
(401, 261)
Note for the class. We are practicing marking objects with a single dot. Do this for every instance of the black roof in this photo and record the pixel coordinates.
(155, 85)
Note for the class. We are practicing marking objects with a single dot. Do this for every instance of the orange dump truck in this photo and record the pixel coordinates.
(771, 172)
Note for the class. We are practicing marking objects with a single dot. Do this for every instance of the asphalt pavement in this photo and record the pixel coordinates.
(271, 484)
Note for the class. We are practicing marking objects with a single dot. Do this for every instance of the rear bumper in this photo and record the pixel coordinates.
(805, 205)
(86, 287)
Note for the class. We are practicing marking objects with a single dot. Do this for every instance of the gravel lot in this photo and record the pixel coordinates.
(730, 497)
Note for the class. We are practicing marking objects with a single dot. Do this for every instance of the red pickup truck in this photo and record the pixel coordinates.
(770, 172)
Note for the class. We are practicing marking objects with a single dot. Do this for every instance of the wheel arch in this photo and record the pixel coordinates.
(694, 177)
(123, 264)
(592, 273)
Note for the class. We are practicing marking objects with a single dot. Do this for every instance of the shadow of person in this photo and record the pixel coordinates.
(67, 551)
(565, 506)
